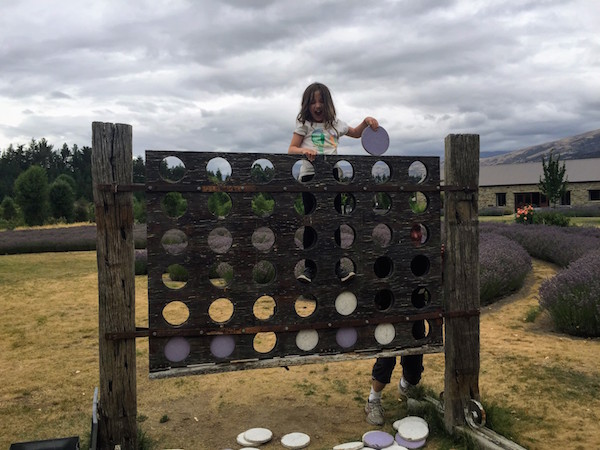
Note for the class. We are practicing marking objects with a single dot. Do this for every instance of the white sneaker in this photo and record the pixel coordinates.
(375, 412)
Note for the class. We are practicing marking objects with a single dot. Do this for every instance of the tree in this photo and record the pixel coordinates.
(31, 189)
(554, 182)
(9, 209)
(62, 200)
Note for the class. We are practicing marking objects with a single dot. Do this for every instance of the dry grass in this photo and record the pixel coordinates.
(49, 366)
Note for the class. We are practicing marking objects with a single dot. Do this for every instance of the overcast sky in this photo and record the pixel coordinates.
(229, 75)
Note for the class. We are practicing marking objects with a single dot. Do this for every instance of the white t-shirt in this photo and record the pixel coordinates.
(317, 137)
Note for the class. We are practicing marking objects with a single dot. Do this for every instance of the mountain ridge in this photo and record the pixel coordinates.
(581, 146)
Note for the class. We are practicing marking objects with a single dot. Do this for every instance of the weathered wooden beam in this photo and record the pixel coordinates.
(112, 163)
(461, 277)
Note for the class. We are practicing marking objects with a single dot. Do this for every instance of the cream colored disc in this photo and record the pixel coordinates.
(295, 440)
(385, 333)
(350, 446)
(413, 428)
(258, 435)
(345, 303)
(240, 440)
(307, 339)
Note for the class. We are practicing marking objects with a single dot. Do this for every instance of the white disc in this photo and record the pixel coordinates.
(295, 440)
(258, 435)
(413, 428)
(240, 440)
(307, 339)
(350, 446)
(345, 303)
(385, 333)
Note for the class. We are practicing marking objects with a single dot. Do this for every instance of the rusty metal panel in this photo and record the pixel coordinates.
(241, 296)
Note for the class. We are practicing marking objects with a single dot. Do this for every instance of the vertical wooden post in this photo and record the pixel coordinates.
(112, 163)
(461, 276)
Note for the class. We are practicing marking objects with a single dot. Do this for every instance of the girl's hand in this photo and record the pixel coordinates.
(371, 122)
(309, 153)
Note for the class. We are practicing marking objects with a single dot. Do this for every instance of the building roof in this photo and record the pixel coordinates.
(578, 170)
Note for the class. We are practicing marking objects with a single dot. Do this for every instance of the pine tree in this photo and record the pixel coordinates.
(554, 182)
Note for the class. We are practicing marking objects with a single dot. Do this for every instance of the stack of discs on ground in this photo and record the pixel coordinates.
(295, 440)
(412, 432)
(254, 436)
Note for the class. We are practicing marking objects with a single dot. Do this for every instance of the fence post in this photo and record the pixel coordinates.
(112, 163)
(461, 276)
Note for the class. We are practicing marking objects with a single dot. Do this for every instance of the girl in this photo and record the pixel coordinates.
(317, 128)
(317, 133)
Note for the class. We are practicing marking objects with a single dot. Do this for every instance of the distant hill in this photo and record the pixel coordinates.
(582, 146)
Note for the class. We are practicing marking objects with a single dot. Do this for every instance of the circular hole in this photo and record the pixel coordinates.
(303, 171)
(345, 269)
(264, 307)
(380, 172)
(344, 203)
(222, 346)
(385, 333)
(219, 204)
(306, 340)
(383, 267)
(220, 240)
(384, 299)
(345, 303)
(382, 203)
(174, 241)
(305, 305)
(218, 170)
(305, 270)
(305, 237)
(419, 265)
(418, 202)
(171, 169)
(344, 236)
(263, 239)
(263, 204)
(417, 172)
(177, 349)
(420, 297)
(420, 329)
(343, 172)
(382, 235)
(221, 310)
(264, 342)
(305, 203)
(418, 234)
(173, 204)
(176, 313)
(263, 272)
(346, 337)
(176, 276)
(262, 171)
(220, 274)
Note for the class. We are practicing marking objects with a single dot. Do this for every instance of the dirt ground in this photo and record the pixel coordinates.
(549, 381)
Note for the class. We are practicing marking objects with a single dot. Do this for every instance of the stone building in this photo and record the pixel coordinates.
(515, 185)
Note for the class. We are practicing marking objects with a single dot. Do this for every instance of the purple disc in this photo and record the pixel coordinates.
(222, 346)
(410, 444)
(177, 349)
(346, 337)
(378, 439)
(375, 142)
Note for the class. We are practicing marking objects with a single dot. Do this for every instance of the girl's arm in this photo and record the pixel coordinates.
(297, 150)
(357, 132)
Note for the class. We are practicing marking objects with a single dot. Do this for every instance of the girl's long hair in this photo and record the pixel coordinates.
(329, 110)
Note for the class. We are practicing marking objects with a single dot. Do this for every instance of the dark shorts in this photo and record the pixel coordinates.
(412, 368)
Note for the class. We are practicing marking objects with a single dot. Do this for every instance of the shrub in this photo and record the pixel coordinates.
(141, 262)
(572, 297)
(495, 211)
(81, 210)
(525, 215)
(557, 245)
(551, 217)
(503, 266)
(177, 272)
(31, 189)
(62, 199)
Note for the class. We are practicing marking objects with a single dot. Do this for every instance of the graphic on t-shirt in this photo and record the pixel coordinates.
(324, 139)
